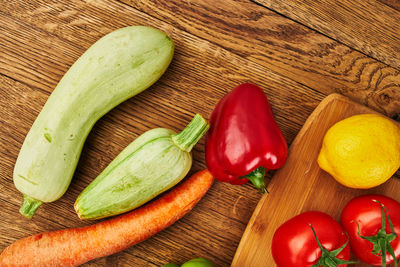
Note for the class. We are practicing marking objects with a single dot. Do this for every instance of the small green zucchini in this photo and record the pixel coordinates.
(118, 66)
(154, 162)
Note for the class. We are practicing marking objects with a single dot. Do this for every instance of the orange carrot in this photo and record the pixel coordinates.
(71, 247)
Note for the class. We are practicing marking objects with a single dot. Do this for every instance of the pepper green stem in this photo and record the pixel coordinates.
(29, 206)
(257, 179)
(186, 139)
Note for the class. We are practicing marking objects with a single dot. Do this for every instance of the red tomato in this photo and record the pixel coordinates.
(294, 243)
(367, 213)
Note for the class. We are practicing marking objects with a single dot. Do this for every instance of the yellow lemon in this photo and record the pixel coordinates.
(362, 151)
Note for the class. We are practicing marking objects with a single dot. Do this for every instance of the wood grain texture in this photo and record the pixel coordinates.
(392, 3)
(286, 47)
(374, 26)
(202, 60)
(302, 186)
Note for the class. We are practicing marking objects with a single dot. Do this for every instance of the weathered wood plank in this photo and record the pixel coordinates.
(280, 44)
(196, 70)
(374, 26)
(286, 47)
(392, 3)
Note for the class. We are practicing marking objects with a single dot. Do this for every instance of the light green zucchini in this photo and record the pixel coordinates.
(154, 162)
(118, 66)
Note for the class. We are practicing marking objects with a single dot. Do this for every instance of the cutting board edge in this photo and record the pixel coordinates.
(328, 99)
(310, 120)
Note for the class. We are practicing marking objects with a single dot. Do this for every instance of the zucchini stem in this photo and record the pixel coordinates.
(29, 206)
(186, 139)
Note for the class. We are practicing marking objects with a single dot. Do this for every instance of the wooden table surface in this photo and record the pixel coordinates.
(297, 51)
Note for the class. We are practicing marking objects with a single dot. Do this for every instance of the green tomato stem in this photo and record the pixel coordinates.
(328, 258)
(186, 139)
(381, 241)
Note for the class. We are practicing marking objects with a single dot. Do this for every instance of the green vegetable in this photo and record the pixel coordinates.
(156, 161)
(198, 262)
(115, 68)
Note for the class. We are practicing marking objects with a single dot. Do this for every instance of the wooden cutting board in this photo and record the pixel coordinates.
(302, 186)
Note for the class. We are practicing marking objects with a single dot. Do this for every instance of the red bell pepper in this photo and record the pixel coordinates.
(244, 140)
